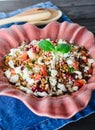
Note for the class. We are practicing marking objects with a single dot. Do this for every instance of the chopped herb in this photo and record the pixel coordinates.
(28, 67)
(71, 69)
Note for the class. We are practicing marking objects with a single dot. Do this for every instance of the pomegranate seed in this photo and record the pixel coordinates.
(27, 49)
(22, 67)
(33, 49)
(34, 88)
(63, 63)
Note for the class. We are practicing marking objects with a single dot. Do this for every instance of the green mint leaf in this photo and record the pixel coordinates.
(46, 45)
(63, 48)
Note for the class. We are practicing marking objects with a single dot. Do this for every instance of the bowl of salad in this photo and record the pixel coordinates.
(51, 69)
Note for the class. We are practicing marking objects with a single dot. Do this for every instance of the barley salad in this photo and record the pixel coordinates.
(48, 68)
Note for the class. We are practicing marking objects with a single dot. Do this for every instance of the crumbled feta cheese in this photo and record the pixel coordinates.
(30, 81)
(48, 39)
(14, 78)
(53, 73)
(53, 81)
(11, 63)
(25, 74)
(27, 90)
(31, 54)
(17, 84)
(75, 88)
(36, 69)
(70, 82)
(76, 76)
(83, 57)
(52, 62)
(7, 73)
(42, 94)
(62, 87)
(66, 55)
(48, 62)
(90, 61)
(79, 74)
(59, 92)
(69, 61)
(34, 42)
(13, 52)
(18, 70)
(86, 69)
(26, 77)
(61, 41)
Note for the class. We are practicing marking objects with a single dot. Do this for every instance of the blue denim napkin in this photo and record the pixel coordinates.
(14, 115)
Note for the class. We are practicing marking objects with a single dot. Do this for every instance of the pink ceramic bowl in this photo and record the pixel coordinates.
(56, 107)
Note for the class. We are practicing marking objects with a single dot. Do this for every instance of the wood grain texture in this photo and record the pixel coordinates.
(82, 12)
(70, 6)
(73, 9)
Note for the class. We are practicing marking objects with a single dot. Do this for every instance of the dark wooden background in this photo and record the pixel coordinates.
(79, 11)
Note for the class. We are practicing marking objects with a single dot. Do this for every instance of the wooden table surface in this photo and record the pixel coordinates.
(79, 11)
(82, 12)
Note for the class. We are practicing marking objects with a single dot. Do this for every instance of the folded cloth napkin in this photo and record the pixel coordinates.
(14, 115)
